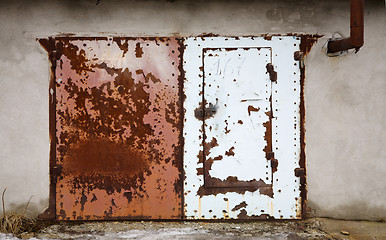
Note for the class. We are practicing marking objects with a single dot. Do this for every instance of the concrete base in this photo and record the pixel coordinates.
(314, 228)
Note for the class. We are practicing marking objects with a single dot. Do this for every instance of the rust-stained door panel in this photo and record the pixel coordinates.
(117, 120)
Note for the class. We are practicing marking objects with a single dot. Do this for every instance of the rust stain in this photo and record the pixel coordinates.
(116, 131)
(226, 127)
(75, 54)
(209, 162)
(230, 152)
(200, 156)
(252, 109)
(123, 44)
(243, 215)
(239, 206)
(206, 35)
(307, 41)
(138, 50)
(103, 157)
(233, 184)
(208, 146)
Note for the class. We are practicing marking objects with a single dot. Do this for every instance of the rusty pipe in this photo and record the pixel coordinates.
(356, 38)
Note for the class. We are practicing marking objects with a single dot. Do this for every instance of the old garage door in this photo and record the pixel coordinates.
(124, 146)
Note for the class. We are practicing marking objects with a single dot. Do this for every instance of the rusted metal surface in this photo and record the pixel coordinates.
(116, 128)
(253, 175)
(356, 38)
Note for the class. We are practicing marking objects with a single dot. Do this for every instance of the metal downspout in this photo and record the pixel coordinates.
(356, 38)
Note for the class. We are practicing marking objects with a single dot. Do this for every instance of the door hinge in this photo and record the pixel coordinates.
(272, 72)
(301, 173)
(299, 56)
(274, 163)
(271, 156)
(56, 171)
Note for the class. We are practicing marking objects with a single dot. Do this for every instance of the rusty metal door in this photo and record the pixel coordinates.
(241, 139)
(115, 128)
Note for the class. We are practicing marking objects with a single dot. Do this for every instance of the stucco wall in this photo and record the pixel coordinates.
(344, 96)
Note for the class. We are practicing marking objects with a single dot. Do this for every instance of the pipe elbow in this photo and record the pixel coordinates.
(357, 36)
(356, 39)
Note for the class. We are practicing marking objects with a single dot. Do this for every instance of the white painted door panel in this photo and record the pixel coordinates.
(230, 173)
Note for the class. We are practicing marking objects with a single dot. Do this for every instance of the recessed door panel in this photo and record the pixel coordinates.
(238, 87)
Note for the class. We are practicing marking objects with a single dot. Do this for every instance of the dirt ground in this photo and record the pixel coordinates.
(315, 228)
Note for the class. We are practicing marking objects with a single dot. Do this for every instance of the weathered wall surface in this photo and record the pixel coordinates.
(344, 96)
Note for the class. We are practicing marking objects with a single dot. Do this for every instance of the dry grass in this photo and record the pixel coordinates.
(16, 222)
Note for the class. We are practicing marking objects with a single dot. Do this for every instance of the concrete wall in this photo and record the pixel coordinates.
(345, 96)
